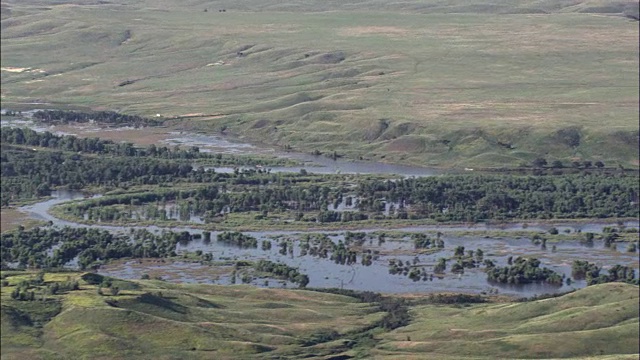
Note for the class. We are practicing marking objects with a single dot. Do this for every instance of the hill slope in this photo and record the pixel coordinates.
(169, 321)
(598, 320)
(449, 83)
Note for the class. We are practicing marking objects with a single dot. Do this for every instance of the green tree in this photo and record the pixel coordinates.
(539, 162)
(557, 164)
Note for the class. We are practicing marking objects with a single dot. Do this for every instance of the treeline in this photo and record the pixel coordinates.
(279, 194)
(238, 239)
(28, 137)
(322, 246)
(444, 198)
(485, 197)
(461, 198)
(27, 174)
(55, 248)
(105, 117)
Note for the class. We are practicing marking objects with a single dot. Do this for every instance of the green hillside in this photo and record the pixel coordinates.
(598, 320)
(157, 319)
(166, 321)
(447, 83)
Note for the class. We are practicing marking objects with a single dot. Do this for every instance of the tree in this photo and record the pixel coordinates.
(557, 164)
(53, 289)
(599, 164)
(539, 162)
(302, 280)
(459, 251)
(441, 266)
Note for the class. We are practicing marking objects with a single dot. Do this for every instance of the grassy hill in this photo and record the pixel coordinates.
(168, 321)
(448, 83)
(599, 320)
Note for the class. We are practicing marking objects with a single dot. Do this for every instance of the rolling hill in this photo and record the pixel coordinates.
(435, 83)
(174, 321)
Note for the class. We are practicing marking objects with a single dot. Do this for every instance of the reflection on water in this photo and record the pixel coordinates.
(324, 272)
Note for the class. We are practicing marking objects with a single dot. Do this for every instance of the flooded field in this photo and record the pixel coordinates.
(325, 272)
(362, 274)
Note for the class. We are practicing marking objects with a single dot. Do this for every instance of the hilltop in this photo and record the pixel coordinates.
(169, 321)
(435, 83)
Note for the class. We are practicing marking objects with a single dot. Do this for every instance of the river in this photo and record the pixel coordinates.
(324, 272)
(376, 277)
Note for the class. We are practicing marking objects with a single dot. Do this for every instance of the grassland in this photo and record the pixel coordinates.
(11, 219)
(453, 83)
(170, 321)
(599, 322)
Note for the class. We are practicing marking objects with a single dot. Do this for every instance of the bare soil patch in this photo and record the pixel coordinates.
(140, 136)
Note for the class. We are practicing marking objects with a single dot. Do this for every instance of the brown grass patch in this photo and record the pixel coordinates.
(10, 219)
(286, 294)
(141, 136)
(392, 31)
(406, 144)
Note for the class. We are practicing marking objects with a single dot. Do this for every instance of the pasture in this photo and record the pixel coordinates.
(419, 82)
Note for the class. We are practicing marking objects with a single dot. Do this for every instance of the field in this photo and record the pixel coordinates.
(425, 82)
(479, 88)
(11, 219)
(596, 320)
(175, 321)
(169, 321)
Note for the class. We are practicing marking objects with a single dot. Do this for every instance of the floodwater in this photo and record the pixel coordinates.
(318, 164)
(323, 272)
(212, 143)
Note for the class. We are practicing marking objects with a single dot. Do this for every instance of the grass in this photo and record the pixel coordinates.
(598, 321)
(171, 321)
(11, 219)
(423, 82)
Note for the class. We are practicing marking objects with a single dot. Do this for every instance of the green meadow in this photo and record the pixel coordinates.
(152, 318)
(434, 83)
(598, 320)
(169, 321)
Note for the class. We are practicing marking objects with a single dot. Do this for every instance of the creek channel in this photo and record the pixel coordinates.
(323, 272)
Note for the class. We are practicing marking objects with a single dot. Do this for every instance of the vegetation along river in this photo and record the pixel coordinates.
(379, 249)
